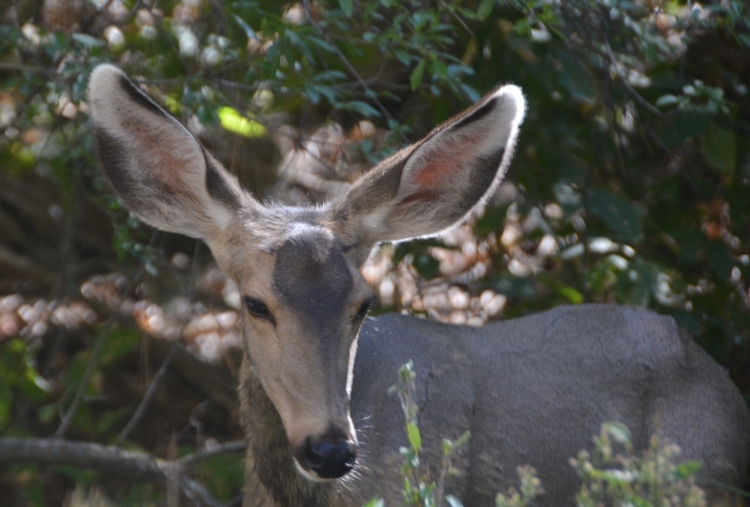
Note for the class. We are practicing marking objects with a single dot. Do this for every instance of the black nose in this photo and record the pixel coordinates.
(330, 459)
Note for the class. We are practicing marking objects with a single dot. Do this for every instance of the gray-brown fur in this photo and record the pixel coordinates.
(314, 386)
(532, 390)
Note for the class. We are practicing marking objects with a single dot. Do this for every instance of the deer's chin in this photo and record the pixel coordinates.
(309, 475)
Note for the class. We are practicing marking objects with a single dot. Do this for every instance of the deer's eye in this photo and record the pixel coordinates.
(258, 308)
(362, 310)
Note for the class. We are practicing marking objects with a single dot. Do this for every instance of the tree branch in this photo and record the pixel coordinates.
(114, 461)
(54, 451)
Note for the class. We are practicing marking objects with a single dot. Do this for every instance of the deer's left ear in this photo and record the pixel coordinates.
(435, 183)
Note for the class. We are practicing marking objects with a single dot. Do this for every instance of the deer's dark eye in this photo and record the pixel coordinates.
(362, 310)
(258, 308)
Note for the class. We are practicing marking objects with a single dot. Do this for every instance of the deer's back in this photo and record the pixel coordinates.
(534, 390)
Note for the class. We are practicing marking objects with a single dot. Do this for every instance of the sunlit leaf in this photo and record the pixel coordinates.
(375, 502)
(233, 121)
(415, 438)
(687, 469)
(570, 294)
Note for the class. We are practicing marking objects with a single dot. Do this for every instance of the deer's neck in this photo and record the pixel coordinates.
(271, 476)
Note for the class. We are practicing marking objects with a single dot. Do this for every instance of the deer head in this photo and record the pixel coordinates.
(297, 269)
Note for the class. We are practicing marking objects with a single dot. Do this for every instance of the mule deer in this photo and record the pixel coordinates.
(320, 426)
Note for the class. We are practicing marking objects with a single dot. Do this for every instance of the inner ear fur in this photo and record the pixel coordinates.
(435, 183)
(158, 169)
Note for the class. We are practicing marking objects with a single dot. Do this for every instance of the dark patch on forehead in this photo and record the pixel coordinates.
(312, 275)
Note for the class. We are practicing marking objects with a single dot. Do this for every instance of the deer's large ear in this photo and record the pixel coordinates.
(435, 183)
(159, 170)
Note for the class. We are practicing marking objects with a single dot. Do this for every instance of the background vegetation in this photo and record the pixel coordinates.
(631, 184)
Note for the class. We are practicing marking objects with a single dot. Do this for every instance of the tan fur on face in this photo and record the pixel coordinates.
(289, 362)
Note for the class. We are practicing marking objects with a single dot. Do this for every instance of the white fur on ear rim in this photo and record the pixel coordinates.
(513, 107)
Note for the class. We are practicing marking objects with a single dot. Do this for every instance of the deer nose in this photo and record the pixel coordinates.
(330, 459)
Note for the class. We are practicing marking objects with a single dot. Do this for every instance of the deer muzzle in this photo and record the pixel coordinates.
(328, 457)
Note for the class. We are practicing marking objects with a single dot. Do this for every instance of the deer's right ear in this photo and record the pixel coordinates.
(159, 170)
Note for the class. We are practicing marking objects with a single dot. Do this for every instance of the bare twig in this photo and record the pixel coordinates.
(26, 266)
(457, 18)
(141, 410)
(93, 361)
(198, 456)
(628, 87)
(18, 67)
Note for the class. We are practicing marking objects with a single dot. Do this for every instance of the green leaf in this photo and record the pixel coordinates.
(687, 469)
(484, 9)
(416, 75)
(360, 107)
(520, 287)
(329, 76)
(491, 221)
(720, 259)
(667, 100)
(119, 342)
(403, 56)
(570, 294)
(576, 80)
(439, 69)
(375, 502)
(415, 438)
(347, 7)
(6, 404)
(470, 92)
(321, 43)
(683, 125)
(720, 148)
(246, 28)
(624, 218)
(618, 431)
(426, 265)
(87, 40)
